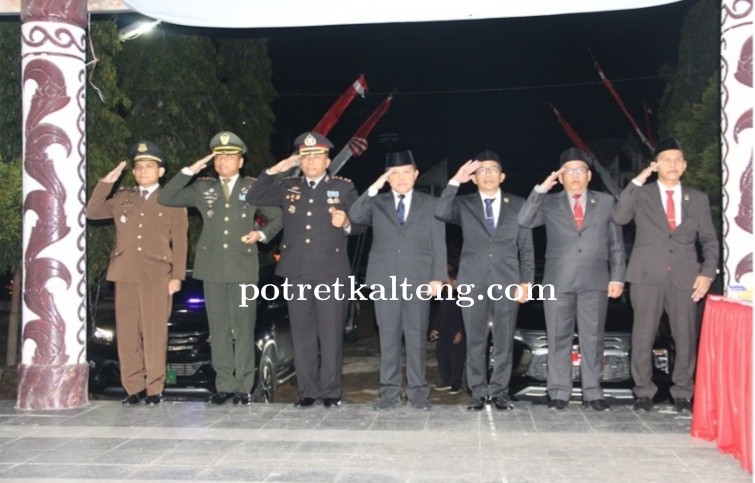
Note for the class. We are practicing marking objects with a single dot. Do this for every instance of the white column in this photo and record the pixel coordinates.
(53, 372)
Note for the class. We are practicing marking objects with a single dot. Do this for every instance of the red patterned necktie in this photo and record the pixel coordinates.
(670, 210)
(579, 215)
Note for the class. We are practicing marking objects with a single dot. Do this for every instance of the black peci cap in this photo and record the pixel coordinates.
(665, 145)
(488, 155)
(400, 158)
(573, 154)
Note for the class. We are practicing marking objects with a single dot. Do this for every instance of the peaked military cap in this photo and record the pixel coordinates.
(665, 145)
(574, 154)
(225, 142)
(488, 155)
(312, 142)
(146, 151)
(401, 158)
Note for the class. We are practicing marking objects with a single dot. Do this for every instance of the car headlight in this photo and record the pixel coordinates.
(103, 335)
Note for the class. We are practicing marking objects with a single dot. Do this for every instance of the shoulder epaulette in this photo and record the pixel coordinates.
(251, 178)
(342, 178)
(206, 178)
(127, 188)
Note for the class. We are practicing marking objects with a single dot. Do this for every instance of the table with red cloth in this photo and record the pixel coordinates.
(723, 385)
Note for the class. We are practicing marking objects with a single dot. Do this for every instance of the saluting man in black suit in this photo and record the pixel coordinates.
(496, 250)
(664, 270)
(314, 251)
(408, 245)
(585, 263)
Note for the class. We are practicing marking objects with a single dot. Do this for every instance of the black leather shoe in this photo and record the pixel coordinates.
(153, 400)
(477, 404)
(643, 403)
(305, 402)
(132, 399)
(242, 398)
(597, 404)
(682, 406)
(502, 403)
(557, 404)
(220, 397)
(331, 402)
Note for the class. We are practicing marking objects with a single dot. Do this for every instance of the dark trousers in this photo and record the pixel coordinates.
(317, 330)
(649, 302)
(477, 324)
(586, 308)
(408, 319)
(231, 336)
(451, 358)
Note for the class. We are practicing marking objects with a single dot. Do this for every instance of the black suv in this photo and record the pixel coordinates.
(189, 372)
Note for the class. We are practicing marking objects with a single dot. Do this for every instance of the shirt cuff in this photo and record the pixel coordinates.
(185, 170)
(263, 238)
(539, 189)
(453, 182)
(372, 192)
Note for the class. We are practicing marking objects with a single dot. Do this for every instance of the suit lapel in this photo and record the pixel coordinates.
(502, 212)
(686, 204)
(590, 204)
(413, 208)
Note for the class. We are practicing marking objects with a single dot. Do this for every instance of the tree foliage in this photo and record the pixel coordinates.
(10, 90)
(690, 108)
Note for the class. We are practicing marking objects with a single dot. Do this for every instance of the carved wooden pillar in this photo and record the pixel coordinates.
(737, 145)
(53, 372)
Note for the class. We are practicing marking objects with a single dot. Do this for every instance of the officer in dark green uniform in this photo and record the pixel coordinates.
(226, 256)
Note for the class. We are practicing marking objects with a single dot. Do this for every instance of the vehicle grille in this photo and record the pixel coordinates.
(616, 365)
(185, 341)
(188, 369)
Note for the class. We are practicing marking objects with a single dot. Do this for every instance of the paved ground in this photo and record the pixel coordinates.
(193, 441)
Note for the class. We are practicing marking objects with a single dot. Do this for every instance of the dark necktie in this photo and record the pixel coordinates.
(579, 215)
(400, 209)
(226, 188)
(670, 210)
(145, 194)
(489, 219)
(312, 184)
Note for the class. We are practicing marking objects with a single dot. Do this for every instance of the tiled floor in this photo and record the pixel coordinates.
(182, 441)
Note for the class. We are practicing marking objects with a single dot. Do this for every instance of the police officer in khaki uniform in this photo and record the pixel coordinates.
(226, 257)
(147, 265)
(314, 251)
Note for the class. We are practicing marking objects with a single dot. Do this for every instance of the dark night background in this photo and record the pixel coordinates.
(464, 86)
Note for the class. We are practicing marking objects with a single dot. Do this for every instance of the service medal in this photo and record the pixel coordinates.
(123, 219)
(291, 209)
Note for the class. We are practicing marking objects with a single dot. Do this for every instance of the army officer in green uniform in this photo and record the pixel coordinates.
(226, 256)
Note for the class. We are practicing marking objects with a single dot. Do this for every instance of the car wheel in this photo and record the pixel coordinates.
(264, 391)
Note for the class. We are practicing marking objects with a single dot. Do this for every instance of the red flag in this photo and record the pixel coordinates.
(334, 113)
(358, 143)
(618, 100)
(570, 132)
